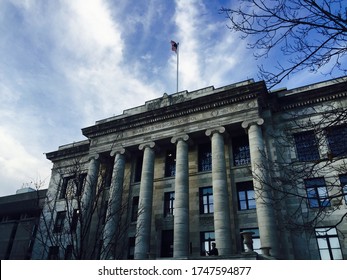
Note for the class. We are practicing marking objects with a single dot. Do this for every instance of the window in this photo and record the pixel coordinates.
(135, 208)
(74, 220)
(59, 221)
(170, 164)
(169, 199)
(241, 151)
(72, 186)
(67, 181)
(317, 192)
(138, 169)
(131, 248)
(167, 243)
(328, 244)
(206, 200)
(205, 157)
(306, 146)
(255, 238)
(206, 240)
(245, 195)
(343, 180)
(82, 178)
(68, 252)
(337, 140)
(53, 253)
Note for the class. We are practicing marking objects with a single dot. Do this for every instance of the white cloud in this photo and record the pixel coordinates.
(70, 63)
(210, 53)
(18, 166)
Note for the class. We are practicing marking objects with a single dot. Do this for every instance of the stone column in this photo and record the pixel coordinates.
(263, 197)
(89, 190)
(222, 225)
(87, 200)
(114, 209)
(181, 212)
(143, 226)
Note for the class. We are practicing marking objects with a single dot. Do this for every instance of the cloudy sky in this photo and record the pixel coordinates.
(65, 64)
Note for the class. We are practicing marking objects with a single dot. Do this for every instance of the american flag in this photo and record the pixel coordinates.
(174, 46)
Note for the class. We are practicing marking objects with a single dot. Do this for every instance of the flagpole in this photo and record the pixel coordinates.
(178, 59)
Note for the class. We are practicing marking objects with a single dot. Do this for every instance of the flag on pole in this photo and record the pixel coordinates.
(174, 46)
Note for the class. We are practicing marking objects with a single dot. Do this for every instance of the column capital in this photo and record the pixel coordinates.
(148, 144)
(118, 150)
(183, 137)
(247, 124)
(211, 131)
(93, 156)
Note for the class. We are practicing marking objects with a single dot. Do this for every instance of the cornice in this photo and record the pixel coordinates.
(212, 101)
(68, 152)
(310, 97)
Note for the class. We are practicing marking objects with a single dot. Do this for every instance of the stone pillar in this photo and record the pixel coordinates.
(114, 209)
(87, 200)
(222, 225)
(181, 216)
(263, 197)
(89, 191)
(143, 226)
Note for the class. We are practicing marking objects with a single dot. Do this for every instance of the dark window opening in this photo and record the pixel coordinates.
(169, 201)
(205, 157)
(306, 146)
(241, 151)
(170, 164)
(337, 140)
(167, 244)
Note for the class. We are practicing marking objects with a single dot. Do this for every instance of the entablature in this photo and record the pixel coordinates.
(214, 100)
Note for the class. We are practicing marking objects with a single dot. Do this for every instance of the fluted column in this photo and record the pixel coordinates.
(143, 226)
(181, 216)
(263, 196)
(114, 205)
(222, 225)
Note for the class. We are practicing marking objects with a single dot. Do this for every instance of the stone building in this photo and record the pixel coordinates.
(19, 216)
(215, 165)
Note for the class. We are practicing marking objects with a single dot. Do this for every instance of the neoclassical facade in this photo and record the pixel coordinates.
(171, 177)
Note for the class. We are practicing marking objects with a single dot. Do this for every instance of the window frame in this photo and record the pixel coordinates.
(206, 240)
(334, 135)
(209, 203)
(170, 163)
(53, 253)
(68, 252)
(306, 146)
(59, 222)
(131, 247)
(245, 187)
(70, 188)
(241, 151)
(314, 191)
(169, 203)
(327, 235)
(167, 238)
(343, 182)
(205, 157)
(74, 220)
(134, 208)
(138, 169)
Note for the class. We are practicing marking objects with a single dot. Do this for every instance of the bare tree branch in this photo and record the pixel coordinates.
(311, 35)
